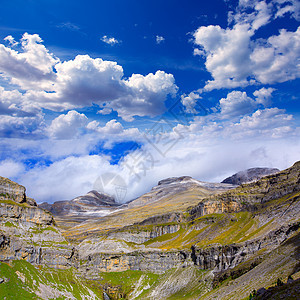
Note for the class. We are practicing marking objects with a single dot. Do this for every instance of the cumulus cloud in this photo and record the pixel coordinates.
(190, 101)
(84, 81)
(261, 13)
(13, 103)
(113, 132)
(264, 95)
(111, 127)
(274, 60)
(67, 126)
(236, 103)
(266, 119)
(227, 54)
(32, 68)
(21, 126)
(109, 40)
(159, 39)
(272, 122)
(236, 59)
(146, 95)
(80, 82)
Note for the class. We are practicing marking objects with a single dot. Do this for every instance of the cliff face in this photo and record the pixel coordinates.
(247, 196)
(10, 190)
(28, 232)
(216, 258)
(227, 234)
(25, 214)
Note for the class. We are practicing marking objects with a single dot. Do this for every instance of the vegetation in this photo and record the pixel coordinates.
(24, 281)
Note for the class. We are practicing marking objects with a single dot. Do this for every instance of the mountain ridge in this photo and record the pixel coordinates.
(230, 242)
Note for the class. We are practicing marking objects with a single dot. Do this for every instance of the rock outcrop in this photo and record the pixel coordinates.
(29, 232)
(249, 175)
(10, 190)
(222, 233)
(248, 196)
(217, 258)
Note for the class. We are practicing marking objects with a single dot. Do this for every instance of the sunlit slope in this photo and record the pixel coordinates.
(142, 208)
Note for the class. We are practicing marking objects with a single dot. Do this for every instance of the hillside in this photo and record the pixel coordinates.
(185, 239)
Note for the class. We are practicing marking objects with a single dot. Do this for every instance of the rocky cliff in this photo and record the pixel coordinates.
(29, 232)
(250, 196)
(250, 230)
(10, 190)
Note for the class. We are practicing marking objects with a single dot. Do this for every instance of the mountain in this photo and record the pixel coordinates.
(171, 195)
(249, 175)
(185, 239)
(176, 185)
(93, 203)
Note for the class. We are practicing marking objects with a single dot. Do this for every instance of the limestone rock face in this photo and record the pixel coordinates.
(249, 175)
(246, 196)
(25, 214)
(216, 258)
(140, 236)
(27, 231)
(10, 190)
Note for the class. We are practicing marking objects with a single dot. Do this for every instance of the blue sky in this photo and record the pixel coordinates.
(145, 90)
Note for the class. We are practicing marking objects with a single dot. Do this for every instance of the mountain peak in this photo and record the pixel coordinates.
(249, 175)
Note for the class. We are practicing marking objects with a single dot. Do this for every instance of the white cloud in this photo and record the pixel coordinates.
(276, 59)
(264, 95)
(236, 59)
(285, 7)
(236, 103)
(11, 40)
(159, 39)
(111, 127)
(82, 81)
(71, 177)
(227, 54)
(67, 126)
(11, 169)
(146, 95)
(14, 126)
(190, 101)
(104, 111)
(114, 132)
(109, 40)
(265, 119)
(32, 68)
(13, 103)
(261, 13)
